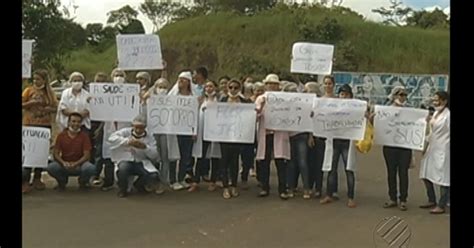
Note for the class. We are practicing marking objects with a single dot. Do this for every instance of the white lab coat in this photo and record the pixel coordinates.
(328, 154)
(75, 103)
(121, 151)
(109, 129)
(214, 150)
(435, 165)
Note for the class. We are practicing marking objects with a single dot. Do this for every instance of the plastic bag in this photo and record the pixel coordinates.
(365, 145)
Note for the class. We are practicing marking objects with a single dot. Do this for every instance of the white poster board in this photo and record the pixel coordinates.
(400, 127)
(287, 111)
(339, 118)
(312, 58)
(35, 150)
(139, 52)
(114, 102)
(230, 122)
(27, 50)
(173, 114)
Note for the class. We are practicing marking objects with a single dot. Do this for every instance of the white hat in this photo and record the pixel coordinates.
(187, 75)
(139, 120)
(271, 78)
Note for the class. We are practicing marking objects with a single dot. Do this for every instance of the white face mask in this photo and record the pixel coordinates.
(438, 108)
(399, 103)
(39, 87)
(77, 85)
(210, 94)
(161, 91)
(74, 131)
(119, 80)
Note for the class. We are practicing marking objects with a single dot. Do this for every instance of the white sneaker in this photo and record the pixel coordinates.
(185, 184)
(177, 186)
(252, 173)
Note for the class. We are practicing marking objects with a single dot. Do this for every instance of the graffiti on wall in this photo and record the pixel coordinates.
(375, 87)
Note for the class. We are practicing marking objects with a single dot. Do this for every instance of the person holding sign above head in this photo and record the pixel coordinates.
(397, 159)
(206, 151)
(135, 150)
(345, 149)
(435, 165)
(185, 142)
(74, 99)
(38, 104)
(271, 144)
(231, 151)
(72, 152)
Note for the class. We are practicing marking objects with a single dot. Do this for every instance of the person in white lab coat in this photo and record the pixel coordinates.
(74, 99)
(134, 149)
(435, 165)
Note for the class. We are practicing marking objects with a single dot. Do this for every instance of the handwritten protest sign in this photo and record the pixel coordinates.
(339, 118)
(114, 102)
(35, 147)
(400, 127)
(173, 114)
(139, 52)
(27, 48)
(288, 111)
(312, 58)
(230, 122)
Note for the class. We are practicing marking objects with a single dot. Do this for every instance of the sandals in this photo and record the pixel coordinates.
(403, 206)
(428, 205)
(437, 210)
(351, 203)
(390, 204)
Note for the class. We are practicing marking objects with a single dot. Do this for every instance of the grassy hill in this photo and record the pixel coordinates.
(236, 45)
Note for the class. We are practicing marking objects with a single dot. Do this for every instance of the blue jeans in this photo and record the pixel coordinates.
(128, 168)
(444, 191)
(315, 164)
(341, 150)
(185, 143)
(203, 165)
(298, 161)
(61, 174)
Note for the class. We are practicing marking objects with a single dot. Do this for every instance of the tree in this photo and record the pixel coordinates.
(122, 17)
(54, 35)
(159, 14)
(395, 14)
(425, 19)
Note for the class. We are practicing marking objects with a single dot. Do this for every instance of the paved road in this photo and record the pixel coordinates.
(204, 219)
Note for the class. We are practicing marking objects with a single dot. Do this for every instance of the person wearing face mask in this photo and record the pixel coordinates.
(72, 151)
(168, 150)
(38, 104)
(397, 159)
(435, 165)
(74, 99)
(144, 80)
(136, 150)
(230, 151)
(206, 152)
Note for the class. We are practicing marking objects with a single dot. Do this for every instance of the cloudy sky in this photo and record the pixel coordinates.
(91, 11)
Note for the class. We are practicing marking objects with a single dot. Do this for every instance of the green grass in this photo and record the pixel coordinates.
(230, 44)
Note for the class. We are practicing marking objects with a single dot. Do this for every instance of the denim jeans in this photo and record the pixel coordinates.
(247, 155)
(444, 191)
(341, 150)
(265, 167)
(397, 160)
(126, 169)
(298, 161)
(203, 163)
(185, 143)
(61, 174)
(162, 148)
(315, 164)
